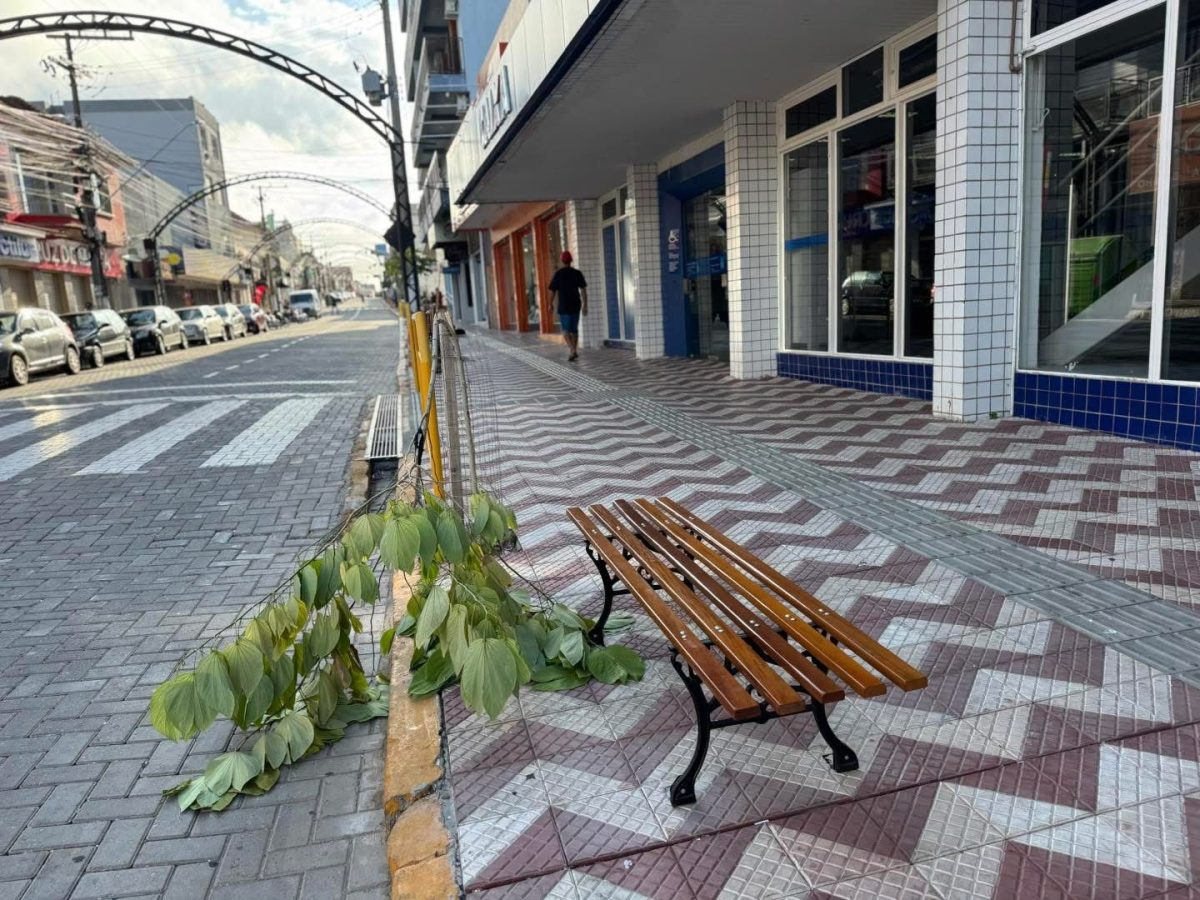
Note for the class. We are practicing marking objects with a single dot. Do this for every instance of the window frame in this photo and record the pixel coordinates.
(1114, 12)
(623, 214)
(895, 99)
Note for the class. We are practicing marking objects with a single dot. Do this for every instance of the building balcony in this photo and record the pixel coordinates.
(434, 205)
(441, 97)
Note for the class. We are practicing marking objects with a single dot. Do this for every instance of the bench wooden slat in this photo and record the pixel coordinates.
(780, 695)
(864, 682)
(725, 688)
(812, 680)
(879, 657)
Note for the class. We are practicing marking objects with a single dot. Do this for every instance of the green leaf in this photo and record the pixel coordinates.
(407, 626)
(297, 729)
(603, 666)
(489, 676)
(329, 577)
(323, 637)
(283, 675)
(436, 673)
(572, 647)
(433, 613)
(399, 545)
(524, 673)
(306, 584)
(257, 703)
(552, 646)
(230, 771)
(176, 710)
(190, 791)
(361, 537)
(386, 639)
(563, 680)
(360, 582)
(213, 686)
(223, 801)
(246, 666)
(272, 748)
(327, 697)
(634, 665)
(450, 537)
(428, 541)
(568, 617)
(618, 622)
(260, 635)
(527, 640)
(454, 633)
(495, 530)
(480, 511)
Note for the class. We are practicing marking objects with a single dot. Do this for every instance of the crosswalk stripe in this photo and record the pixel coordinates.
(27, 457)
(263, 442)
(140, 451)
(33, 423)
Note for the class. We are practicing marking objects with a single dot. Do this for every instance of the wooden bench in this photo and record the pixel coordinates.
(734, 624)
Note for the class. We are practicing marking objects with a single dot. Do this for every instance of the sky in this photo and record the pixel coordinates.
(269, 120)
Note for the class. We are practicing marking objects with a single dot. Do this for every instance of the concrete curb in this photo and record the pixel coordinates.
(418, 842)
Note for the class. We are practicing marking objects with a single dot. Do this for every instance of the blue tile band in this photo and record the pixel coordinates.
(881, 376)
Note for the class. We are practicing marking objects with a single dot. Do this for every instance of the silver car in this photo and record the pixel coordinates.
(35, 340)
(234, 321)
(202, 324)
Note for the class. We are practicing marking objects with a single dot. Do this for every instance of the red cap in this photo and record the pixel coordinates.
(567, 257)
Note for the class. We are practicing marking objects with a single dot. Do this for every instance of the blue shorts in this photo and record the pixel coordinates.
(569, 322)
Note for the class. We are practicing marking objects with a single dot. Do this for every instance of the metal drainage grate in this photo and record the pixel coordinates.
(383, 439)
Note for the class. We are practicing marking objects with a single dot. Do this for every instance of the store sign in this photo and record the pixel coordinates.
(19, 247)
(65, 256)
(495, 105)
(673, 250)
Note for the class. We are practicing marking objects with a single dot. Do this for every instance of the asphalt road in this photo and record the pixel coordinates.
(142, 506)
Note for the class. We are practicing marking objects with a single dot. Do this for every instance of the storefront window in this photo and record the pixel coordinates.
(921, 199)
(862, 83)
(1181, 314)
(1092, 126)
(1049, 14)
(529, 285)
(866, 232)
(806, 247)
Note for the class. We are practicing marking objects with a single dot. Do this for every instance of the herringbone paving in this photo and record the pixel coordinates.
(121, 553)
(1051, 755)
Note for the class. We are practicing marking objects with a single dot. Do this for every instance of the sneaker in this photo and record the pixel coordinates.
(573, 357)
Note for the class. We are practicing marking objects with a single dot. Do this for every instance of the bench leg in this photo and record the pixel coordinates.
(683, 789)
(596, 635)
(841, 758)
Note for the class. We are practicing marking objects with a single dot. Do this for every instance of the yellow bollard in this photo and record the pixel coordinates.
(411, 349)
(424, 373)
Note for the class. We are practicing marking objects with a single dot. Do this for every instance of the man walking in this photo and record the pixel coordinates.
(570, 286)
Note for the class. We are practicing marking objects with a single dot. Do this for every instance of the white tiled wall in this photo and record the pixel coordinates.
(645, 254)
(583, 240)
(977, 211)
(752, 236)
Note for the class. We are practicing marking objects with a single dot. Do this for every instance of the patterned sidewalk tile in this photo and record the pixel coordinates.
(1042, 761)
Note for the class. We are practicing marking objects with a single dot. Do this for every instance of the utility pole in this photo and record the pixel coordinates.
(403, 226)
(87, 186)
(269, 273)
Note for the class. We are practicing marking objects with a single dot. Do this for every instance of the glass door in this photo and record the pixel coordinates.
(705, 270)
(527, 268)
(866, 226)
(555, 233)
(505, 287)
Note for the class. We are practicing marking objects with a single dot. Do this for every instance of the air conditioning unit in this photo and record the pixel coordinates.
(451, 9)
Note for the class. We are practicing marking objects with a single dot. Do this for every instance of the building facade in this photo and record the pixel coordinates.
(974, 202)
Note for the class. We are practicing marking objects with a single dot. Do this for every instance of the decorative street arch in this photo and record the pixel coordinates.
(192, 199)
(270, 236)
(83, 22)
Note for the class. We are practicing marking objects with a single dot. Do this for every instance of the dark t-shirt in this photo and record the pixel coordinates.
(567, 282)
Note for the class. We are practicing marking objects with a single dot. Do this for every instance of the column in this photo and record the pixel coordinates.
(978, 208)
(646, 257)
(752, 237)
(583, 240)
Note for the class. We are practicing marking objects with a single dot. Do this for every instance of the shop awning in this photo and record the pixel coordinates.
(658, 75)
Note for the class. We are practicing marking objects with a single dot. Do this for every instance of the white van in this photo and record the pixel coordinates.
(307, 302)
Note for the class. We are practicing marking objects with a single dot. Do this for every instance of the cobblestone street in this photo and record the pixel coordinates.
(1055, 752)
(146, 505)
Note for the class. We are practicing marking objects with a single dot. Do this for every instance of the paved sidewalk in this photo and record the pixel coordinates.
(1056, 752)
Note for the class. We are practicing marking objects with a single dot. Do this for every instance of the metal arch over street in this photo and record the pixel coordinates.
(289, 226)
(207, 191)
(84, 21)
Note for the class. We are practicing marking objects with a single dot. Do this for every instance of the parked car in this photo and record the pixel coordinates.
(156, 329)
(868, 294)
(295, 314)
(35, 340)
(235, 322)
(274, 320)
(202, 324)
(256, 319)
(100, 334)
(307, 302)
